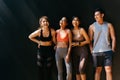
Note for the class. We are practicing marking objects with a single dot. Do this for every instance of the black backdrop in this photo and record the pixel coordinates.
(18, 18)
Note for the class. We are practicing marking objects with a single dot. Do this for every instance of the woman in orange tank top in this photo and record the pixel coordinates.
(63, 48)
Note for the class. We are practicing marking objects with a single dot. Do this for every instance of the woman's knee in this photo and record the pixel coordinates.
(98, 70)
(49, 61)
(40, 61)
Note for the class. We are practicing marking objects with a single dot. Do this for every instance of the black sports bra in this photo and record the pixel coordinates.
(42, 38)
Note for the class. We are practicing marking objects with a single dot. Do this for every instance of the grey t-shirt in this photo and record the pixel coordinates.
(101, 37)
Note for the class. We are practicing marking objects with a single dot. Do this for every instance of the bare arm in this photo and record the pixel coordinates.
(70, 41)
(87, 40)
(69, 48)
(112, 35)
(33, 36)
(54, 36)
(91, 34)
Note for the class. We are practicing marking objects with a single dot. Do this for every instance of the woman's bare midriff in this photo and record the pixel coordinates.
(47, 43)
(62, 44)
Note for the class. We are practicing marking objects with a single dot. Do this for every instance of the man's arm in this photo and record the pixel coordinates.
(112, 35)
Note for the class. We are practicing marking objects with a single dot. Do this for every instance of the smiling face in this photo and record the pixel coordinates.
(44, 21)
(63, 22)
(75, 22)
(98, 16)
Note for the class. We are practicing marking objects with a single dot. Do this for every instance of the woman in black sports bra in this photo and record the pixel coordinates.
(45, 43)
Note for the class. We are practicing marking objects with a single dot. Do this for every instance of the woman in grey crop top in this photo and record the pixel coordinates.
(79, 51)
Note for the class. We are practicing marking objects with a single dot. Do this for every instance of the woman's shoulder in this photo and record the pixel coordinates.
(37, 31)
(57, 30)
(81, 28)
(52, 29)
(67, 29)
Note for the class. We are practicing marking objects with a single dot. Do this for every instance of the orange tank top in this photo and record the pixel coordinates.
(65, 39)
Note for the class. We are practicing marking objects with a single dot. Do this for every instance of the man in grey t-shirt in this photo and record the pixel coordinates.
(103, 44)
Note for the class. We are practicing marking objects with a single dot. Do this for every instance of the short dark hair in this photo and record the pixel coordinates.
(100, 10)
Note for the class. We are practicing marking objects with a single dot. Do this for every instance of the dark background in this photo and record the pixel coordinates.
(18, 18)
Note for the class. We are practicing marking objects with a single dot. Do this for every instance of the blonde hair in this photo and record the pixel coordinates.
(43, 17)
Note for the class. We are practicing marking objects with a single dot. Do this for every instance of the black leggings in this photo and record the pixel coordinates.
(45, 58)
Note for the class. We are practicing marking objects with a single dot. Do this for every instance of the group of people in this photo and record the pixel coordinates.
(66, 42)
